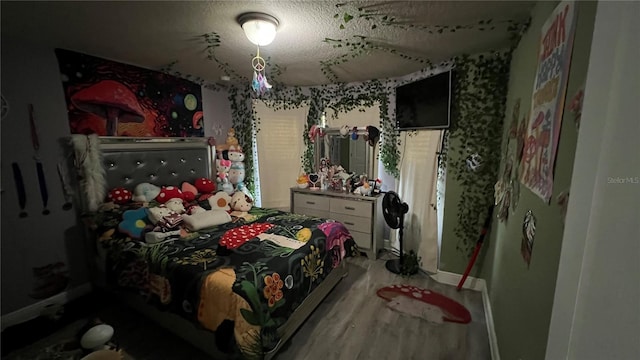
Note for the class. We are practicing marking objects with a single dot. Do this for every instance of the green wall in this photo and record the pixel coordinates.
(521, 297)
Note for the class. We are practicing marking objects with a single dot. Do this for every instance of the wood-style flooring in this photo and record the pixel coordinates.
(353, 323)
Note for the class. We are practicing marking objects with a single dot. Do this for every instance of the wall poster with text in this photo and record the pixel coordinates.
(115, 99)
(547, 104)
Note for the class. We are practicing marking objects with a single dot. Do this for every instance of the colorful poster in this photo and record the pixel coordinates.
(547, 104)
(114, 99)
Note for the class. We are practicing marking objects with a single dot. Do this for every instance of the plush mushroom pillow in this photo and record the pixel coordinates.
(120, 195)
(167, 193)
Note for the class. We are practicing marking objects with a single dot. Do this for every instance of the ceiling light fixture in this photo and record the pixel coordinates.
(260, 28)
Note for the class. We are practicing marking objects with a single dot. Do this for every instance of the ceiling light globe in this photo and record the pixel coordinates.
(259, 32)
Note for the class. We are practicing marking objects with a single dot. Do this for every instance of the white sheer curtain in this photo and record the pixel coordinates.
(279, 149)
(417, 187)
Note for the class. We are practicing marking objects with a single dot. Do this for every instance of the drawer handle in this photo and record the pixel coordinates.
(349, 223)
(310, 203)
(349, 208)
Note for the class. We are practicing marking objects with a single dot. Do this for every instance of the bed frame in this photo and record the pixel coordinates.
(129, 161)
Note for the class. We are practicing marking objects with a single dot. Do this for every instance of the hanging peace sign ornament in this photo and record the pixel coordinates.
(258, 63)
(259, 83)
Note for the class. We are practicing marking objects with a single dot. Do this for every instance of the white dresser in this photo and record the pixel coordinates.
(362, 215)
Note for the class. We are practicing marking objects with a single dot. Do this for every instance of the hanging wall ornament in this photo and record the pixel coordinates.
(563, 200)
(260, 85)
(515, 192)
(513, 128)
(576, 107)
(503, 191)
(498, 191)
(528, 236)
(522, 134)
(503, 207)
(474, 161)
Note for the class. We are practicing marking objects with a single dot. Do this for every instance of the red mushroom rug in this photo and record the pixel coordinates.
(424, 303)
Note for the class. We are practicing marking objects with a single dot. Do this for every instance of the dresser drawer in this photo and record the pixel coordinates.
(311, 201)
(354, 223)
(311, 212)
(351, 207)
(362, 240)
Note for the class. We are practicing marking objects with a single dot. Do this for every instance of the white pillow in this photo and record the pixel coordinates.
(206, 219)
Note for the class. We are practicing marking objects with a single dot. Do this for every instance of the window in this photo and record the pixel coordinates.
(279, 147)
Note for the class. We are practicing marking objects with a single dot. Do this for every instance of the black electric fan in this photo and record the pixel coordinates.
(393, 210)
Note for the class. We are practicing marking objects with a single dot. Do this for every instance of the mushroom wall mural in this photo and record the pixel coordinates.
(114, 99)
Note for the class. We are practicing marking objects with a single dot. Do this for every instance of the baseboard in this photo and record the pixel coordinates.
(34, 310)
(491, 330)
(450, 278)
(476, 284)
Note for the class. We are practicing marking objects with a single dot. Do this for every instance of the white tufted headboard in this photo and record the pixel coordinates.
(161, 161)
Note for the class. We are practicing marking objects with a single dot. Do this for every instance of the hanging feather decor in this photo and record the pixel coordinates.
(259, 84)
(88, 164)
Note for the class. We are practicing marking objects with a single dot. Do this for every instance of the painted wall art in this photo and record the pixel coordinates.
(547, 103)
(114, 99)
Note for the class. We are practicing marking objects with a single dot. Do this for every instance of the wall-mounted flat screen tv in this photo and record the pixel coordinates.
(424, 104)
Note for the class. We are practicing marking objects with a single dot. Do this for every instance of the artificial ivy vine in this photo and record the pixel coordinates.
(245, 124)
(477, 109)
(338, 97)
(379, 19)
(315, 112)
(478, 112)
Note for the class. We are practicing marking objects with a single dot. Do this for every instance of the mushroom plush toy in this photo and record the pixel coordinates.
(110, 100)
(205, 186)
(120, 195)
(167, 193)
(189, 191)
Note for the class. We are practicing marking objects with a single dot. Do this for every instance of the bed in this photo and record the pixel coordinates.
(239, 288)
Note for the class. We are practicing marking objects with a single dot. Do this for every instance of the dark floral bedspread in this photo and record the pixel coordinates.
(278, 259)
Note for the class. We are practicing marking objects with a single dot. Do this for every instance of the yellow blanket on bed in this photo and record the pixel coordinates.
(218, 302)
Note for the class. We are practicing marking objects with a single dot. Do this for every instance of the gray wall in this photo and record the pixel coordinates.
(30, 75)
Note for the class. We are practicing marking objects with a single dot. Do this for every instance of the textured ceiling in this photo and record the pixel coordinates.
(155, 34)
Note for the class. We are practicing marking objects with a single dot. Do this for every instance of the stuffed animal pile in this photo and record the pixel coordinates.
(230, 165)
(163, 212)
